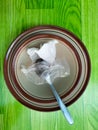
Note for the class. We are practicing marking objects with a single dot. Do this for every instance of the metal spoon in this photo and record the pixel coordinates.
(41, 72)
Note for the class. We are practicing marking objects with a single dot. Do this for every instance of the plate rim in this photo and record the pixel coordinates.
(70, 34)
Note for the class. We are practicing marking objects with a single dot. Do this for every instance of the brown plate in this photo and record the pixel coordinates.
(69, 88)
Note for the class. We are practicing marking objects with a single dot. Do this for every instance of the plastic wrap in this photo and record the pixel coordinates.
(44, 60)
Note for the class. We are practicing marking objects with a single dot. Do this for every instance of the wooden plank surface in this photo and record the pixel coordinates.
(78, 16)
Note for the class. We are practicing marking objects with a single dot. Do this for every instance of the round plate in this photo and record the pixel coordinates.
(40, 97)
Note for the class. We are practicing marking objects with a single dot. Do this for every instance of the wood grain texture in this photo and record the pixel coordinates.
(39, 4)
(78, 16)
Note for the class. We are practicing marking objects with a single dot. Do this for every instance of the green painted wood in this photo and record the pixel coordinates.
(39, 4)
(78, 16)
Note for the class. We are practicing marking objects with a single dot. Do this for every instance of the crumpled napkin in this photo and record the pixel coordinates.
(48, 53)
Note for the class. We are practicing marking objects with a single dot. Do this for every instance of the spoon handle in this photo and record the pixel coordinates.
(61, 104)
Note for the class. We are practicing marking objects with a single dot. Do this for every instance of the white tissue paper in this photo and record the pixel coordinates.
(51, 65)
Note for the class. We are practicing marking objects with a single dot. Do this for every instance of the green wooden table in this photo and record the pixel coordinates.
(78, 16)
